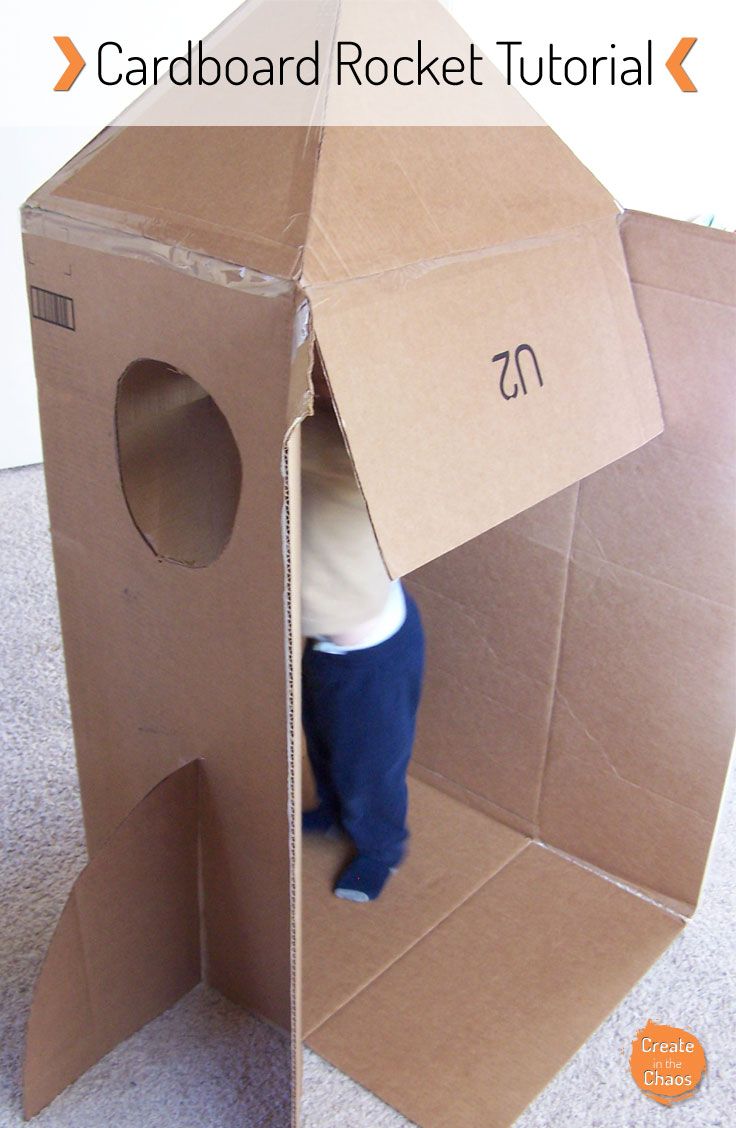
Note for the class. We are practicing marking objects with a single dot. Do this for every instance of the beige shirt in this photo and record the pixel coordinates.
(344, 580)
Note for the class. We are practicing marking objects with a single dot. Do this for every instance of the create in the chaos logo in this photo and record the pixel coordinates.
(666, 1062)
(350, 63)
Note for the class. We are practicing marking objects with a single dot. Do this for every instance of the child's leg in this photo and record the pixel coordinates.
(318, 753)
(367, 701)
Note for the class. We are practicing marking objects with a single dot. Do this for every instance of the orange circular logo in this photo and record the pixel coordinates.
(667, 1063)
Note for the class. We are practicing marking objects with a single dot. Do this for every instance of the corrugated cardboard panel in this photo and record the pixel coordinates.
(667, 512)
(126, 946)
(492, 1003)
(644, 716)
(642, 727)
(672, 262)
(484, 719)
(441, 453)
(452, 851)
(703, 266)
(167, 662)
(387, 197)
(238, 193)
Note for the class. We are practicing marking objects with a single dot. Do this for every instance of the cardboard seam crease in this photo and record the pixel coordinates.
(521, 824)
(608, 261)
(581, 554)
(417, 939)
(103, 236)
(416, 268)
(135, 245)
(556, 661)
(617, 881)
(683, 294)
(611, 768)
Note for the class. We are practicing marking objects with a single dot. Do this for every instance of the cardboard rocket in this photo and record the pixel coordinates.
(535, 392)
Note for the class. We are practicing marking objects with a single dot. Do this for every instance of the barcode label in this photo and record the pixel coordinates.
(57, 309)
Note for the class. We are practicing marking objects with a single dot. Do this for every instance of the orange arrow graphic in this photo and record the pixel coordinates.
(75, 60)
(676, 69)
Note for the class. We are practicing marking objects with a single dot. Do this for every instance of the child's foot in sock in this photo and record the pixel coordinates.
(363, 879)
(319, 821)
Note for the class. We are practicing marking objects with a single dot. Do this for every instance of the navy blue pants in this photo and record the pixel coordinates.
(359, 715)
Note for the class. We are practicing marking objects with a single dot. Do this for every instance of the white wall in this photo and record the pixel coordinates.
(656, 149)
(29, 156)
(40, 130)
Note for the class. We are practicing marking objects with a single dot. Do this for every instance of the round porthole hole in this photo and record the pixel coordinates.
(179, 464)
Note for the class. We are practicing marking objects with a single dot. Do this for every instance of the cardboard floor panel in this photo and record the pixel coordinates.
(495, 999)
(452, 851)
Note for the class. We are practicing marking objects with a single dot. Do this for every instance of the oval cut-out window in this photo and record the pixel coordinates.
(179, 463)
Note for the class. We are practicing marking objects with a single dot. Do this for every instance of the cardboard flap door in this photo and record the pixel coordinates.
(126, 946)
(472, 387)
(643, 719)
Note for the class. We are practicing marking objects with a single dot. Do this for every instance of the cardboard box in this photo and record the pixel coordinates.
(472, 304)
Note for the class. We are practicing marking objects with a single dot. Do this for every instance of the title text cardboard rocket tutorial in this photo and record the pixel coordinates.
(353, 65)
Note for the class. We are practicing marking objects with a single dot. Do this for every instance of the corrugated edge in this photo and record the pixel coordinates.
(291, 634)
(300, 403)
